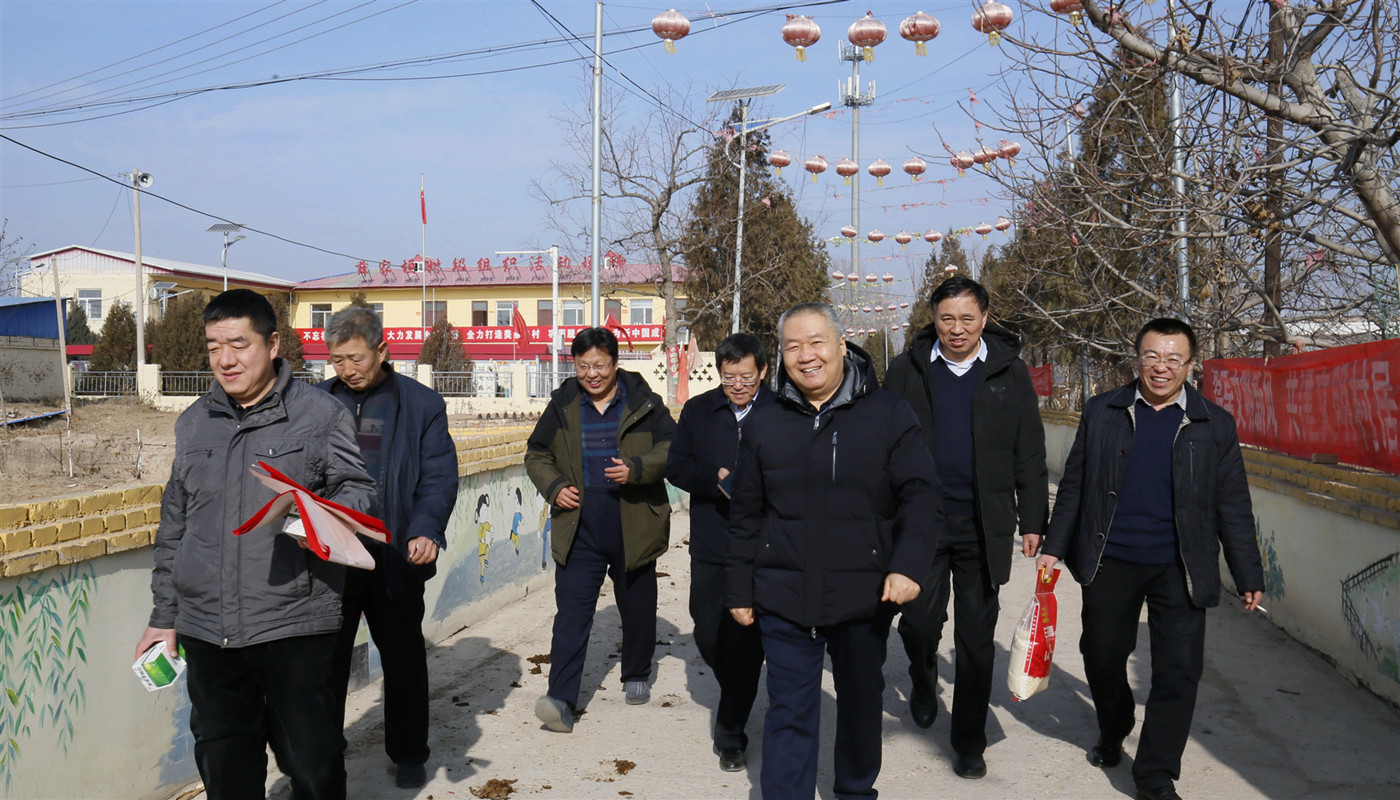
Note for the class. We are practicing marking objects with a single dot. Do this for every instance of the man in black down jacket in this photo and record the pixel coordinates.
(1154, 486)
(834, 519)
(966, 382)
(703, 455)
(401, 426)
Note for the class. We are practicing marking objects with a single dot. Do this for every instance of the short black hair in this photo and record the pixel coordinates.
(591, 338)
(483, 500)
(1167, 326)
(957, 286)
(738, 346)
(243, 304)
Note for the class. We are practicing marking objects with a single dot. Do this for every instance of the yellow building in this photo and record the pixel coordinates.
(481, 302)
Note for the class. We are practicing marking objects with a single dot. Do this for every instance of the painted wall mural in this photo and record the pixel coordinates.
(1371, 607)
(1274, 585)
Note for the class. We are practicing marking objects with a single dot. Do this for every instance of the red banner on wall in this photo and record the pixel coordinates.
(1342, 401)
(1043, 379)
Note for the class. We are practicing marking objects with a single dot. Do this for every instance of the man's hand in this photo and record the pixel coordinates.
(1251, 600)
(1047, 563)
(899, 589)
(153, 635)
(743, 616)
(422, 550)
(723, 473)
(618, 472)
(1030, 544)
(567, 498)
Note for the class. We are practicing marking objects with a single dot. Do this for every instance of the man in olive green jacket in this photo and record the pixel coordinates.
(598, 456)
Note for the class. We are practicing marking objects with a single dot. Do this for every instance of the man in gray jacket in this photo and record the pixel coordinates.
(258, 614)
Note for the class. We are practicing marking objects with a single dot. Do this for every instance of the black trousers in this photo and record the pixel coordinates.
(733, 651)
(396, 625)
(280, 693)
(791, 730)
(960, 561)
(597, 551)
(1112, 604)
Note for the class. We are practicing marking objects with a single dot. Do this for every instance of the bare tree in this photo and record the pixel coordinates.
(13, 253)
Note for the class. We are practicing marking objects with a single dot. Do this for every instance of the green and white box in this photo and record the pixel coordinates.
(158, 669)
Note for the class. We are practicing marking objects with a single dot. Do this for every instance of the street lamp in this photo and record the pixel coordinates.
(743, 96)
(226, 228)
(139, 180)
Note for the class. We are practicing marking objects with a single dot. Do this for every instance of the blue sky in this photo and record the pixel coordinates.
(336, 163)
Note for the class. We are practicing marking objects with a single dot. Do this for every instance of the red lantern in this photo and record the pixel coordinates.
(867, 310)
(915, 167)
(983, 228)
(876, 237)
(779, 159)
(879, 168)
(904, 304)
(672, 26)
(904, 238)
(933, 237)
(1003, 224)
(848, 232)
(888, 278)
(1009, 151)
(872, 277)
(815, 165)
(867, 32)
(850, 331)
(846, 168)
(961, 161)
(949, 269)
(985, 155)
(801, 32)
(854, 277)
(838, 275)
(991, 19)
(920, 28)
(1071, 7)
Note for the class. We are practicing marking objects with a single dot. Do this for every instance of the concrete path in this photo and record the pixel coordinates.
(1274, 720)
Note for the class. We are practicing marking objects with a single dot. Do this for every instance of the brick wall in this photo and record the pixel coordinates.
(30, 370)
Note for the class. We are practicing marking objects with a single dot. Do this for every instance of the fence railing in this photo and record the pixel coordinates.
(477, 383)
(104, 384)
(542, 381)
(185, 384)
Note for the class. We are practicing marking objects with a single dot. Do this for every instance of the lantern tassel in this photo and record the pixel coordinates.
(814, 177)
(801, 54)
(996, 39)
(869, 54)
(920, 49)
(847, 179)
(670, 46)
(880, 181)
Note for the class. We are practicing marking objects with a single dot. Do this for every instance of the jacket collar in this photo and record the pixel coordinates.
(1125, 395)
(716, 400)
(637, 390)
(1003, 347)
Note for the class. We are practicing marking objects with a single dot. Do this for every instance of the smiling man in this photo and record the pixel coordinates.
(1153, 489)
(256, 614)
(833, 523)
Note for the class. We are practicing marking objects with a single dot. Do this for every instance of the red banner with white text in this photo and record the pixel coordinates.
(1343, 401)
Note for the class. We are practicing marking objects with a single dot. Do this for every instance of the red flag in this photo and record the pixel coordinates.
(423, 203)
(617, 326)
(517, 321)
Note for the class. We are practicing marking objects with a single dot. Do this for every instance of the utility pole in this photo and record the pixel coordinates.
(597, 158)
(140, 180)
(853, 98)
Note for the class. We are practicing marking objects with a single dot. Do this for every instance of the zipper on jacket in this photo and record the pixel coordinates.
(833, 456)
(814, 634)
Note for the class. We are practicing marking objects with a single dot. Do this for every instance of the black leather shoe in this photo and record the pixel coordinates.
(410, 776)
(1106, 753)
(731, 759)
(1159, 793)
(923, 705)
(969, 765)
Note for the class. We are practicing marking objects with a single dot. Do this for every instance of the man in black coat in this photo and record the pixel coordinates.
(702, 458)
(401, 426)
(973, 396)
(1153, 489)
(833, 523)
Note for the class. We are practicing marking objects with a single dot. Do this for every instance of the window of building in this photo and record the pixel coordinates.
(378, 311)
(320, 314)
(91, 301)
(479, 313)
(613, 309)
(639, 312)
(572, 312)
(544, 313)
(503, 315)
(434, 310)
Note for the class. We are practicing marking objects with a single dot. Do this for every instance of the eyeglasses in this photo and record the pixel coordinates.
(1173, 363)
(738, 380)
(599, 369)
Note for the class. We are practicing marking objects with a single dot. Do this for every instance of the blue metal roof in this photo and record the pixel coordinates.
(28, 316)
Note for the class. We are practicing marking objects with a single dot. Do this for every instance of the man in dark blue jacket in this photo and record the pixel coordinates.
(1153, 489)
(834, 519)
(402, 431)
(703, 454)
(965, 380)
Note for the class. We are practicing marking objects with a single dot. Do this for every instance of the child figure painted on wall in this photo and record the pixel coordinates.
(483, 535)
(516, 520)
(546, 522)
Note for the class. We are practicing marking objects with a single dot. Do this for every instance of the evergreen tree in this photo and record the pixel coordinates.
(116, 348)
(288, 342)
(443, 349)
(358, 299)
(784, 262)
(78, 330)
(177, 340)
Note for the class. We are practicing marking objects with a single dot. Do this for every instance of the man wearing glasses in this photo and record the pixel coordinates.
(702, 457)
(1153, 489)
(598, 456)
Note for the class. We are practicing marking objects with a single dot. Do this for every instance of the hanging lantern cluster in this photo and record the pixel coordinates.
(963, 160)
(915, 167)
(846, 168)
(904, 238)
(672, 26)
(991, 19)
(933, 237)
(801, 32)
(879, 168)
(867, 33)
(779, 159)
(815, 165)
(1009, 151)
(875, 237)
(848, 232)
(920, 28)
(1002, 224)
